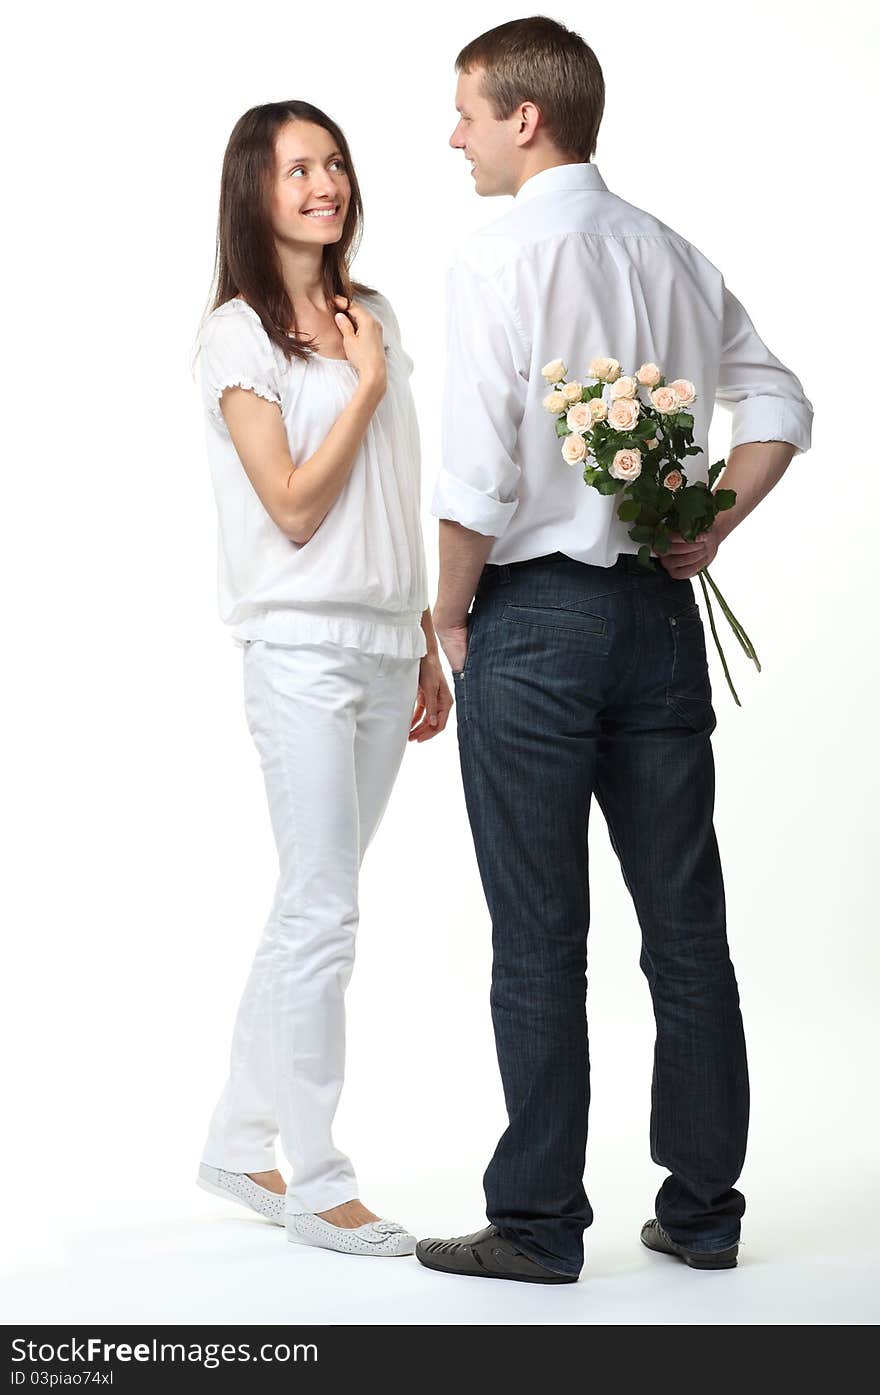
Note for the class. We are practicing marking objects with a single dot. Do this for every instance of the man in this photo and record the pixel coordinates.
(581, 671)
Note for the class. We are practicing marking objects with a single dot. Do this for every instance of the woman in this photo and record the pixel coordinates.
(314, 455)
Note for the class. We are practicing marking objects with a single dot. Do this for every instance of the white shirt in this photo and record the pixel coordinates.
(574, 272)
(360, 580)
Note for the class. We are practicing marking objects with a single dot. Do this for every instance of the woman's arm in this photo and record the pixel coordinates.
(434, 700)
(298, 498)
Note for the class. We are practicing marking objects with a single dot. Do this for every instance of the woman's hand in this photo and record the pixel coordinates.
(434, 702)
(362, 342)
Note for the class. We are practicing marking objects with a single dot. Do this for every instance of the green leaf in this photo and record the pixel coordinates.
(724, 498)
(715, 471)
(684, 419)
(644, 555)
(629, 510)
(605, 454)
(606, 485)
(594, 391)
(691, 506)
(561, 428)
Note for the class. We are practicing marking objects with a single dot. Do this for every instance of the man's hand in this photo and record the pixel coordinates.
(685, 559)
(463, 555)
(453, 637)
(434, 701)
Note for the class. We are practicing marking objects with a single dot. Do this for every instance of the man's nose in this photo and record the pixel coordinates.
(456, 140)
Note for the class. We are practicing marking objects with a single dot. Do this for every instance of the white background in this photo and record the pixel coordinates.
(139, 858)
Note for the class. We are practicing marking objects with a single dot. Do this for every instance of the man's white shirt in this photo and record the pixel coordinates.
(571, 271)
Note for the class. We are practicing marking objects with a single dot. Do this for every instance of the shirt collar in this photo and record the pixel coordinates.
(559, 178)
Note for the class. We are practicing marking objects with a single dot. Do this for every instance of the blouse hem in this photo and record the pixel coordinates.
(401, 639)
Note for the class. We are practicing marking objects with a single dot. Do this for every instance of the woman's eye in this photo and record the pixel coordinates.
(300, 169)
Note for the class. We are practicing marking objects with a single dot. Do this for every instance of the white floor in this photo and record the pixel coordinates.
(206, 1261)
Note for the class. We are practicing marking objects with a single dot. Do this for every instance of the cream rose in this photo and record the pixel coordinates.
(554, 370)
(598, 410)
(653, 443)
(674, 480)
(665, 399)
(554, 402)
(578, 417)
(626, 465)
(572, 391)
(687, 393)
(607, 370)
(623, 414)
(649, 375)
(624, 387)
(574, 449)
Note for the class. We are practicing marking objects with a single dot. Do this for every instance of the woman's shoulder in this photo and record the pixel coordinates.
(233, 316)
(234, 332)
(380, 306)
(377, 304)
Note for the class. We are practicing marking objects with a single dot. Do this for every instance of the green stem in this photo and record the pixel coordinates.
(735, 625)
(701, 575)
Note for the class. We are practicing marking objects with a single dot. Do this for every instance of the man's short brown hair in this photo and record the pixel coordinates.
(538, 60)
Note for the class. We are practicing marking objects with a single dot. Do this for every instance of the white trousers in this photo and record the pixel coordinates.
(331, 727)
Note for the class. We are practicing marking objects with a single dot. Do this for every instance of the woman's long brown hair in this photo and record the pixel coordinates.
(246, 261)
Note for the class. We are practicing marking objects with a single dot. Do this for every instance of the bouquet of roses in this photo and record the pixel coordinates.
(639, 449)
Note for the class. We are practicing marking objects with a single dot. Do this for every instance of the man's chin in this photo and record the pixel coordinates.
(484, 188)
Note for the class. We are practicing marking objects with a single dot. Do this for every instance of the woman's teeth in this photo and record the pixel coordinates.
(320, 213)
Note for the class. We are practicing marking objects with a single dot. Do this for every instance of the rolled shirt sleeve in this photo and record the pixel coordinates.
(483, 405)
(767, 400)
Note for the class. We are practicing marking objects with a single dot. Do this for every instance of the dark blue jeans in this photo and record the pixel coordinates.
(580, 680)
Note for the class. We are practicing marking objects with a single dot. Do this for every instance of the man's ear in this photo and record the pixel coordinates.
(529, 121)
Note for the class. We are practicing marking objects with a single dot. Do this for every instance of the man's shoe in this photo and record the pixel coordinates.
(486, 1255)
(655, 1237)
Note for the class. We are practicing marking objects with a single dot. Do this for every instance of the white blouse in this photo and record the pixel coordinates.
(360, 581)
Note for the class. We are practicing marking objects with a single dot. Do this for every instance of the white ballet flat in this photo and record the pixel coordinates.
(237, 1186)
(374, 1238)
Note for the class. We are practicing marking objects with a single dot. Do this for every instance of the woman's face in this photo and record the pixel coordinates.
(311, 190)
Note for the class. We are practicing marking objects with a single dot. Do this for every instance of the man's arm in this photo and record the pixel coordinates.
(766, 399)
(772, 422)
(772, 417)
(463, 555)
(752, 469)
(475, 496)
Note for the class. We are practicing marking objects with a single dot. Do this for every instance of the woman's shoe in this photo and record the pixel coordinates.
(237, 1186)
(374, 1238)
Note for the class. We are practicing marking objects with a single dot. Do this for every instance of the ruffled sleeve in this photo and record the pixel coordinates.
(379, 306)
(236, 352)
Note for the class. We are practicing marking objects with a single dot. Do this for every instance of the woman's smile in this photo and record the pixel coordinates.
(330, 212)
